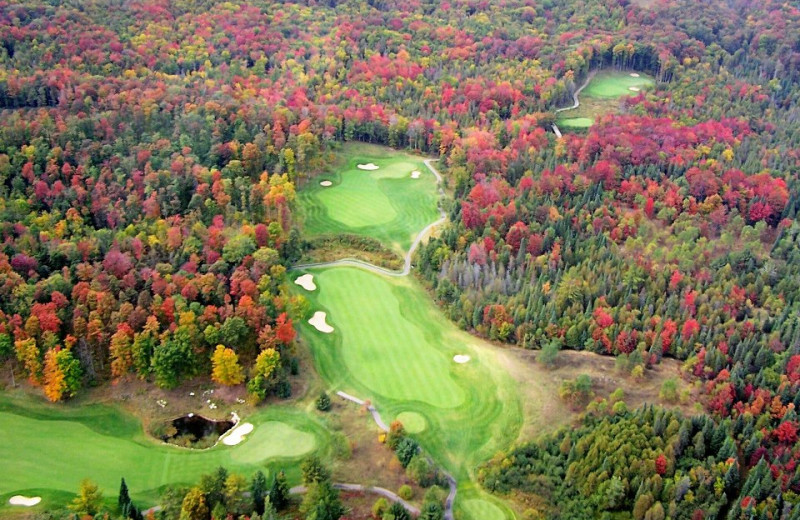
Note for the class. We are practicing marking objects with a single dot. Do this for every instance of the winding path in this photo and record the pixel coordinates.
(354, 262)
(299, 490)
(575, 102)
(451, 482)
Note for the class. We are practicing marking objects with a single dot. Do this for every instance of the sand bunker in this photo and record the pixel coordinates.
(368, 166)
(326, 183)
(306, 282)
(634, 89)
(237, 434)
(461, 358)
(415, 174)
(634, 75)
(318, 322)
(19, 500)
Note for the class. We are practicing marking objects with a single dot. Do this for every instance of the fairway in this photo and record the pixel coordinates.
(386, 204)
(392, 345)
(601, 96)
(53, 448)
(615, 84)
(477, 508)
(576, 122)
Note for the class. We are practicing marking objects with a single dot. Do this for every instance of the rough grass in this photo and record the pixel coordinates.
(54, 447)
(386, 204)
(392, 345)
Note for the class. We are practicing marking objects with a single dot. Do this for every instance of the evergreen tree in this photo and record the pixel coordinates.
(258, 490)
(279, 492)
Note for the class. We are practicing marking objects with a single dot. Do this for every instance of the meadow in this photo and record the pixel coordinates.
(386, 204)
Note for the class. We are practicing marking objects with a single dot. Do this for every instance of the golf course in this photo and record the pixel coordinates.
(601, 96)
(375, 336)
(53, 449)
(390, 203)
(385, 340)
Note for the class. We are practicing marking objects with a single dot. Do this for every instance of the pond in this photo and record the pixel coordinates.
(193, 431)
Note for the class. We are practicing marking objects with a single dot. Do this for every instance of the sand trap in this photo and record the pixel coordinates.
(415, 174)
(318, 322)
(368, 166)
(461, 358)
(634, 75)
(306, 282)
(19, 500)
(634, 89)
(326, 183)
(237, 434)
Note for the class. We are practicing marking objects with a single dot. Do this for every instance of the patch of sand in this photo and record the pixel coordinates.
(415, 174)
(237, 434)
(326, 183)
(318, 322)
(634, 75)
(19, 500)
(368, 166)
(634, 89)
(306, 282)
(461, 358)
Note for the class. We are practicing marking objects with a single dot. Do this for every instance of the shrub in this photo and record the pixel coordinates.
(323, 402)
(405, 492)
(380, 507)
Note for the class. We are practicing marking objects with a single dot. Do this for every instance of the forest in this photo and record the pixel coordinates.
(150, 158)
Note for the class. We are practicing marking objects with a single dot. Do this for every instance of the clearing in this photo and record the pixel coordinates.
(384, 203)
(601, 96)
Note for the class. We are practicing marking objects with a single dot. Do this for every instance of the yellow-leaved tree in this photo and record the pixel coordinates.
(226, 369)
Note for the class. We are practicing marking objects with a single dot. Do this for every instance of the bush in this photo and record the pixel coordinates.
(669, 390)
(342, 449)
(406, 450)
(380, 507)
(323, 402)
(405, 492)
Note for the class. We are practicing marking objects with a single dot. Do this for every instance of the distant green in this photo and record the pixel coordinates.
(386, 204)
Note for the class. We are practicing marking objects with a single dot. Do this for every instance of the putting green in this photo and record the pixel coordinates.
(393, 346)
(615, 84)
(576, 122)
(274, 440)
(483, 510)
(412, 421)
(53, 448)
(386, 204)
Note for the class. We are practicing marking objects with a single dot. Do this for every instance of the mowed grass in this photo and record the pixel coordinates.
(47, 450)
(576, 122)
(393, 346)
(615, 84)
(386, 204)
(601, 96)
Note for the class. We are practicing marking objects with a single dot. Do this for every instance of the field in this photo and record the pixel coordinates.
(601, 96)
(53, 448)
(391, 345)
(386, 204)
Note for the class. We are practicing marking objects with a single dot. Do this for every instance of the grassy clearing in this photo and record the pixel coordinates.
(392, 345)
(601, 96)
(386, 204)
(615, 84)
(54, 447)
(576, 122)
